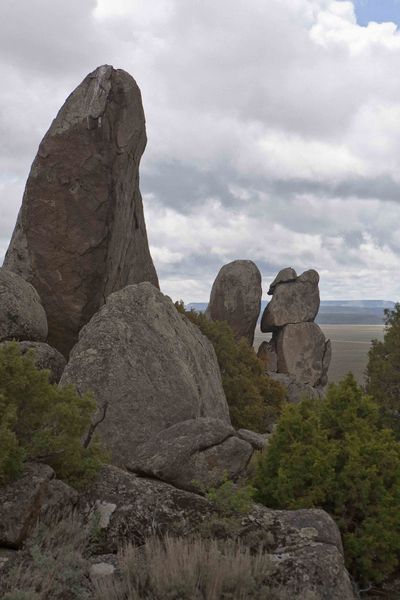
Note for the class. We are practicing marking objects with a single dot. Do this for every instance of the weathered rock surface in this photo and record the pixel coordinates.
(296, 391)
(257, 440)
(45, 357)
(284, 276)
(149, 368)
(304, 545)
(301, 350)
(268, 356)
(80, 233)
(22, 316)
(236, 298)
(193, 455)
(293, 301)
(20, 503)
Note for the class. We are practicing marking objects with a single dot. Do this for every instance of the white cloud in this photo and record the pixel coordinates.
(273, 128)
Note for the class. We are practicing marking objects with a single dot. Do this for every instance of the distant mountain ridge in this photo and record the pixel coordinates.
(337, 312)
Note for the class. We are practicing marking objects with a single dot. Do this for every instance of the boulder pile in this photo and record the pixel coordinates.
(298, 355)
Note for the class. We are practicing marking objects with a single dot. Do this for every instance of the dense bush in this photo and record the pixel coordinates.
(42, 422)
(254, 400)
(383, 370)
(333, 454)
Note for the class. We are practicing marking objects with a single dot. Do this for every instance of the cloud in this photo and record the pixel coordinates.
(273, 128)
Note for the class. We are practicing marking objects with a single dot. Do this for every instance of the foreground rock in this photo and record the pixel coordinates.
(22, 316)
(193, 455)
(45, 357)
(304, 545)
(236, 298)
(80, 233)
(149, 368)
(34, 494)
(293, 300)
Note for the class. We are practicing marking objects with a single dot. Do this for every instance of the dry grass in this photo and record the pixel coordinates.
(190, 569)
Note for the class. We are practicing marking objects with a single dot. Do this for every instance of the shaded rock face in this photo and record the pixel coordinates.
(304, 545)
(293, 300)
(193, 455)
(22, 316)
(149, 368)
(35, 494)
(268, 356)
(236, 298)
(296, 391)
(45, 357)
(80, 233)
(301, 351)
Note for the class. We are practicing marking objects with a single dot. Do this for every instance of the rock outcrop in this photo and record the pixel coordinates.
(236, 298)
(45, 357)
(294, 300)
(298, 355)
(304, 545)
(22, 316)
(149, 368)
(193, 455)
(80, 233)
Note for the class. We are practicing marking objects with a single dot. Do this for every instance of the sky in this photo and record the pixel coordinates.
(273, 129)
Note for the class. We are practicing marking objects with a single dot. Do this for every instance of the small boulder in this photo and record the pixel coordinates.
(293, 301)
(149, 368)
(296, 391)
(236, 298)
(257, 440)
(284, 276)
(22, 315)
(45, 357)
(193, 455)
(301, 350)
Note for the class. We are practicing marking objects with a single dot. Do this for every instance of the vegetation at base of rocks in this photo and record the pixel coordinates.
(383, 370)
(189, 569)
(42, 422)
(231, 498)
(53, 565)
(255, 400)
(334, 454)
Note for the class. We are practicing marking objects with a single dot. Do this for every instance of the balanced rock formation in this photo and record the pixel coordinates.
(294, 299)
(298, 355)
(149, 368)
(80, 233)
(22, 316)
(236, 298)
(193, 455)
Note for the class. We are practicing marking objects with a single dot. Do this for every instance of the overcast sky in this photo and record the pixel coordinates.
(273, 128)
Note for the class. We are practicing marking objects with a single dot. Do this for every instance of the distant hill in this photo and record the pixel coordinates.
(337, 312)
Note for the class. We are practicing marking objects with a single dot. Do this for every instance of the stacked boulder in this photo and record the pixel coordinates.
(236, 298)
(298, 354)
(23, 320)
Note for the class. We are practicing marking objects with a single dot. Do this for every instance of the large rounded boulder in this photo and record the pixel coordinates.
(236, 298)
(22, 316)
(149, 368)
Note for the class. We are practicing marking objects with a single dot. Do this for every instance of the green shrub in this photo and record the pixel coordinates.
(383, 370)
(53, 564)
(255, 400)
(190, 568)
(42, 422)
(230, 498)
(334, 454)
